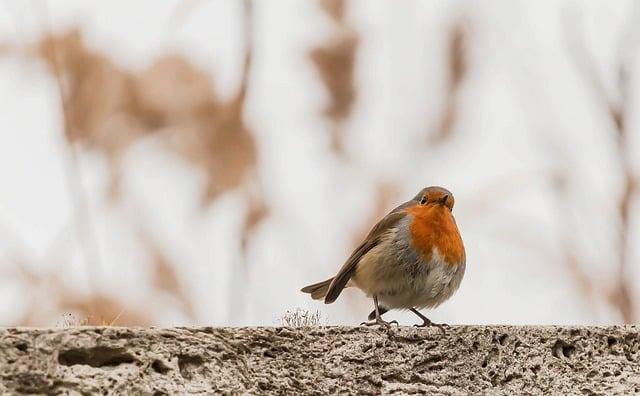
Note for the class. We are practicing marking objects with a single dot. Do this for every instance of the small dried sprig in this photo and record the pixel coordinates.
(301, 318)
(72, 320)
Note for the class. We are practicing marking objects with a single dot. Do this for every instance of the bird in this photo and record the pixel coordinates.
(414, 258)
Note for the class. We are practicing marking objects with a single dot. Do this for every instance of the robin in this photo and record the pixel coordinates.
(413, 258)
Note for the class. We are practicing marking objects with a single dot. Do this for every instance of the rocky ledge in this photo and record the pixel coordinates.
(321, 360)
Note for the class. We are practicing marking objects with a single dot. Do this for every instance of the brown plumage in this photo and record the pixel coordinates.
(318, 290)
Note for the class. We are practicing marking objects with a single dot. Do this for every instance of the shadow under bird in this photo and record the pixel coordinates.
(413, 258)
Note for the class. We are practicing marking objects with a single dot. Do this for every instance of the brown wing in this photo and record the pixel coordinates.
(371, 241)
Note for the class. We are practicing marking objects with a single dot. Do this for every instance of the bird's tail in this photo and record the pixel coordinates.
(318, 290)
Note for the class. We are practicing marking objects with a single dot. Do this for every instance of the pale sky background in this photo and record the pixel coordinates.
(526, 110)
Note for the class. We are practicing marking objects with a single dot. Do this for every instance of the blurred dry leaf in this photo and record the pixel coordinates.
(457, 65)
(257, 212)
(107, 109)
(204, 130)
(621, 297)
(335, 62)
(334, 8)
(164, 277)
(98, 98)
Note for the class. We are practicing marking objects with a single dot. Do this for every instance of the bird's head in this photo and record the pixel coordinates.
(434, 195)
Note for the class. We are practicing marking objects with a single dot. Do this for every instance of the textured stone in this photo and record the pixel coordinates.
(321, 360)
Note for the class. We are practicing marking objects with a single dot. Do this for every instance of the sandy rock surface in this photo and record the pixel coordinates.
(321, 360)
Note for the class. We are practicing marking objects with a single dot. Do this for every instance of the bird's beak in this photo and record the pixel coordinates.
(443, 200)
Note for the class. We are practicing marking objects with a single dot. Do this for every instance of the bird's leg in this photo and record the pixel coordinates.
(426, 321)
(378, 320)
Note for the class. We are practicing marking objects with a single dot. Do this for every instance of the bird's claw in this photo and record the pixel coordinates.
(428, 323)
(380, 322)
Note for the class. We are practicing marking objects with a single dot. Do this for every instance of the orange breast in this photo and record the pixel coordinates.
(434, 226)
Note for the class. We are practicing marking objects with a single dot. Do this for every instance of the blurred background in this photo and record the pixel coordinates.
(198, 162)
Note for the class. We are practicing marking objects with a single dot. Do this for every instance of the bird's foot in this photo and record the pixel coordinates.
(380, 322)
(428, 323)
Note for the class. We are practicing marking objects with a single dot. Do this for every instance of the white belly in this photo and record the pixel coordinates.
(402, 280)
(426, 290)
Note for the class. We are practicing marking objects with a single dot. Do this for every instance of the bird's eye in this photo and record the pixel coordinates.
(423, 200)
